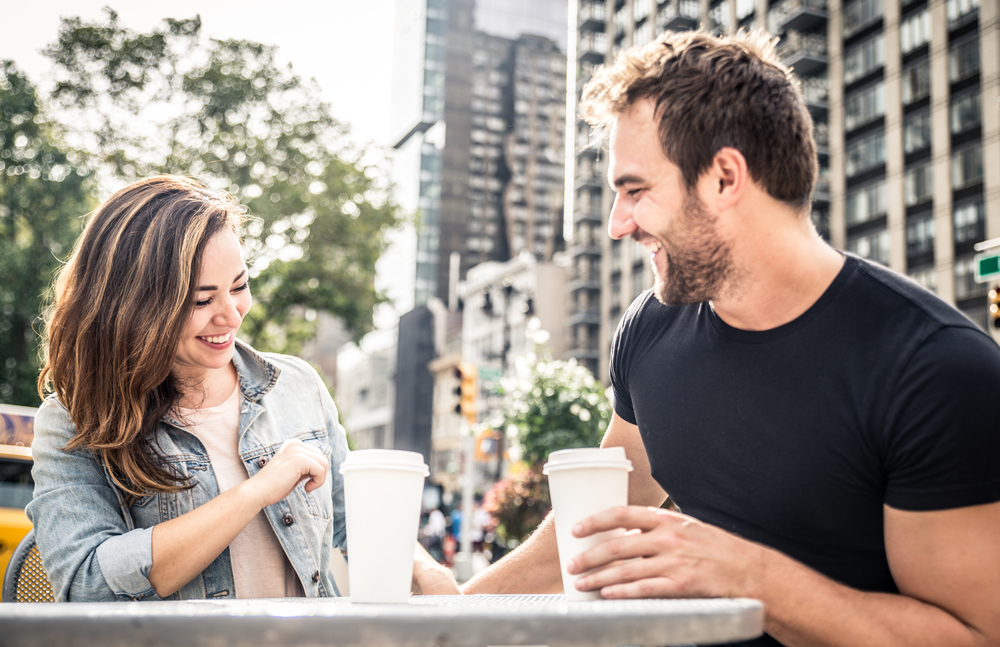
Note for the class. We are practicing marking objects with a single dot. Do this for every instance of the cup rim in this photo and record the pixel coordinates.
(389, 467)
(549, 468)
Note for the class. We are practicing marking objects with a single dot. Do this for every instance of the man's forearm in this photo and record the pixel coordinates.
(806, 609)
(532, 568)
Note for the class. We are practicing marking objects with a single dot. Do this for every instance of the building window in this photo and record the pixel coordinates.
(859, 14)
(961, 12)
(915, 31)
(965, 112)
(868, 152)
(970, 220)
(918, 184)
(864, 58)
(920, 236)
(965, 280)
(874, 246)
(917, 132)
(916, 82)
(864, 106)
(963, 59)
(967, 167)
(926, 277)
(866, 203)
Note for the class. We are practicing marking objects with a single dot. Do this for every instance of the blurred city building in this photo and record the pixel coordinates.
(366, 393)
(508, 312)
(904, 97)
(479, 105)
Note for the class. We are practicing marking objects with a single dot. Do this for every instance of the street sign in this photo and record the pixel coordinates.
(987, 267)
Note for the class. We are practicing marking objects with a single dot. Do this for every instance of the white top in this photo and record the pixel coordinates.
(260, 567)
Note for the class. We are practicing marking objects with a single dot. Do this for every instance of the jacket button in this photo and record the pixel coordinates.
(262, 461)
(316, 576)
(288, 520)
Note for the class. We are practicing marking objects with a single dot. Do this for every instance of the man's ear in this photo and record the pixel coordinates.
(729, 178)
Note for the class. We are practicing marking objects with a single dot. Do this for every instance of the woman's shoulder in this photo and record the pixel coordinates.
(53, 425)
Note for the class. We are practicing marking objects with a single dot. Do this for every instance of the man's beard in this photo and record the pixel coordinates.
(700, 264)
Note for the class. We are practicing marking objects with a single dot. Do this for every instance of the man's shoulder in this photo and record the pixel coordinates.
(897, 298)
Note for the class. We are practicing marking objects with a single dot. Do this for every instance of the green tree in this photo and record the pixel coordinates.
(44, 192)
(224, 111)
(554, 405)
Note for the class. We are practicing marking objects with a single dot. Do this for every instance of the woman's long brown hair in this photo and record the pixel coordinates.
(119, 310)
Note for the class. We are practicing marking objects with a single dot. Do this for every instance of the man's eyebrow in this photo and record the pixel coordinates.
(209, 288)
(626, 179)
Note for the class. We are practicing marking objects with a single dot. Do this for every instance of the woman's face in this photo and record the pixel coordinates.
(222, 299)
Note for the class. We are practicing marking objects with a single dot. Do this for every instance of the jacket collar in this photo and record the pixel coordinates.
(256, 374)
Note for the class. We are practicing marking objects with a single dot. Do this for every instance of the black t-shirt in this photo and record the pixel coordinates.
(795, 437)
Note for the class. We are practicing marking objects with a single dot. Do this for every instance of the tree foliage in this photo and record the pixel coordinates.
(554, 405)
(518, 503)
(168, 101)
(43, 195)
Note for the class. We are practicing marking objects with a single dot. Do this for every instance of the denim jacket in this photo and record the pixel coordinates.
(96, 548)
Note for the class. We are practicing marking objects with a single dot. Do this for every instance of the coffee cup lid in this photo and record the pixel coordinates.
(588, 457)
(390, 459)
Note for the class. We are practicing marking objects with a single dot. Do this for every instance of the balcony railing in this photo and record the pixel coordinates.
(805, 53)
(678, 14)
(592, 43)
(591, 11)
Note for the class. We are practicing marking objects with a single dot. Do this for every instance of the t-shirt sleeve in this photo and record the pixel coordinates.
(620, 348)
(942, 442)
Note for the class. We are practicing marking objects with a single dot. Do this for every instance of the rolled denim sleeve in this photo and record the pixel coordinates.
(86, 546)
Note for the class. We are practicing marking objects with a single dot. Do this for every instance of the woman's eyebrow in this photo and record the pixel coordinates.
(209, 288)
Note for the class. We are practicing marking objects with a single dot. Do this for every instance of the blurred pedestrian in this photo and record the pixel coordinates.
(433, 534)
(479, 524)
(171, 460)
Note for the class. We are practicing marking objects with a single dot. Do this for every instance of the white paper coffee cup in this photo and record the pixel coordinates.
(583, 482)
(383, 491)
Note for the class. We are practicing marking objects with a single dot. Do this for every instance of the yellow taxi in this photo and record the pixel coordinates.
(16, 484)
(15, 493)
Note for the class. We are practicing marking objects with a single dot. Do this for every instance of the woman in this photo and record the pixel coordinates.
(171, 459)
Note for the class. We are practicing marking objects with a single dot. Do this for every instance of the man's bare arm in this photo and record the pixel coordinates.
(946, 564)
(534, 566)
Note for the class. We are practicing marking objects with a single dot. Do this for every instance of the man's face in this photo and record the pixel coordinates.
(691, 262)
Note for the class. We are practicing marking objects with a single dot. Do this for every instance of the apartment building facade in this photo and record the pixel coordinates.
(904, 99)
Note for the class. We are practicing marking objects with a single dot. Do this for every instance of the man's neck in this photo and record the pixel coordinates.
(781, 272)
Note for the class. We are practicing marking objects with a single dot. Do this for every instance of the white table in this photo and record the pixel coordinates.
(438, 621)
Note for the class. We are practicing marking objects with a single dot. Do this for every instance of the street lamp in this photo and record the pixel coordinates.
(509, 292)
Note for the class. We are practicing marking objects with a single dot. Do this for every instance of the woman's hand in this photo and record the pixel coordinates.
(430, 577)
(295, 462)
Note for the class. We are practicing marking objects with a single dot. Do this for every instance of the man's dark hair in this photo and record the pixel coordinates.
(711, 93)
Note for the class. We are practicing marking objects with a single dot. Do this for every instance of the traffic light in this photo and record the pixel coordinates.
(994, 307)
(487, 445)
(467, 391)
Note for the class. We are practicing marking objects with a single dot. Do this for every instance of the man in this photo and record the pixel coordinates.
(822, 423)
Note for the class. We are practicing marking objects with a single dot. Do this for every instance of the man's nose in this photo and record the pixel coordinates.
(621, 224)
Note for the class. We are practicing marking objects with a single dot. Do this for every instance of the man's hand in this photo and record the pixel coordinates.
(665, 554)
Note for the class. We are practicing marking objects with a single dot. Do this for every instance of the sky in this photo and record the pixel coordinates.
(346, 45)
